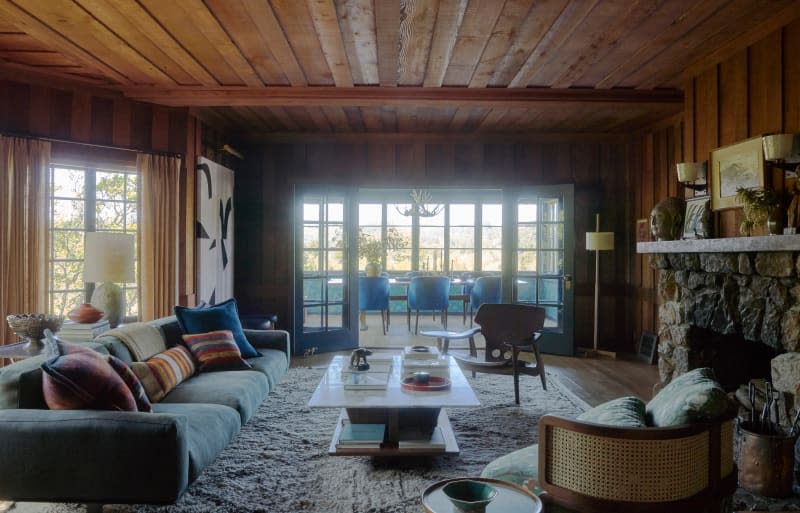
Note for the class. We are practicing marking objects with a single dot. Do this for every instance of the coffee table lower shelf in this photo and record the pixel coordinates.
(389, 447)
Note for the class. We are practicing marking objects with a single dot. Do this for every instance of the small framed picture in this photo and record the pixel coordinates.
(647, 347)
(734, 166)
(643, 230)
(697, 218)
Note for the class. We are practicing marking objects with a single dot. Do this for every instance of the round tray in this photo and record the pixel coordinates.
(434, 383)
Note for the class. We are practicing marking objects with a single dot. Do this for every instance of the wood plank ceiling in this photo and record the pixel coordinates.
(344, 66)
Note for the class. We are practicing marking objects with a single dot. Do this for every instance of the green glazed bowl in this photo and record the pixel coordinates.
(468, 495)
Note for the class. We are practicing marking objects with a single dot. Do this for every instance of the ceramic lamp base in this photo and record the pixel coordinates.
(108, 298)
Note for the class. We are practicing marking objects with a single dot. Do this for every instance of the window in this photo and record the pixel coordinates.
(85, 199)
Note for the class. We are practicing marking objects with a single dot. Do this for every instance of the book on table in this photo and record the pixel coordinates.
(365, 380)
(439, 367)
(79, 332)
(417, 439)
(360, 436)
(420, 352)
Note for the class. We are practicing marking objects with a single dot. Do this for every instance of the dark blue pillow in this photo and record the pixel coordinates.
(222, 316)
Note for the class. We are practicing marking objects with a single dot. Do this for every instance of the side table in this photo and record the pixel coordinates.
(510, 498)
(18, 352)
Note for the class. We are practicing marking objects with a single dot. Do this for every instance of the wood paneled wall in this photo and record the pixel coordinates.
(264, 192)
(752, 91)
(99, 118)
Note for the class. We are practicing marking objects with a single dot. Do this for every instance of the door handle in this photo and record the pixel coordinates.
(567, 282)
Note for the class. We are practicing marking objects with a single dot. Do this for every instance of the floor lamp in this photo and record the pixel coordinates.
(598, 241)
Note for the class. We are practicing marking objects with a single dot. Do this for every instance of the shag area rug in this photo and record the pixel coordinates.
(279, 462)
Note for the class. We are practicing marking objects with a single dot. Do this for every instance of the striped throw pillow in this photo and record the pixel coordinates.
(216, 350)
(164, 371)
(133, 383)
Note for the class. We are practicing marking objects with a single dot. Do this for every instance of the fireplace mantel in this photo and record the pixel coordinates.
(725, 245)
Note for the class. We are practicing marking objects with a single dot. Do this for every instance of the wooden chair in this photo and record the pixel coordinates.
(512, 332)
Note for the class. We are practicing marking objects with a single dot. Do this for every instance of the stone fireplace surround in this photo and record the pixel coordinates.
(719, 294)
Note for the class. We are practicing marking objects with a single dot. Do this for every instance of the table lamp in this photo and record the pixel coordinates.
(598, 241)
(108, 260)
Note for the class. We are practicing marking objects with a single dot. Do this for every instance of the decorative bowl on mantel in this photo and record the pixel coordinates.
(31, 326)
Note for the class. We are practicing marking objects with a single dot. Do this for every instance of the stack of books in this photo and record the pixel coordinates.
(82, 332)
(429, 361)
(415, 439)
(365, 380)
(420, 352)
(360, 436)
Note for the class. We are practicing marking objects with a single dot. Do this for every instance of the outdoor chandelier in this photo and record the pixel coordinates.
(419, 198)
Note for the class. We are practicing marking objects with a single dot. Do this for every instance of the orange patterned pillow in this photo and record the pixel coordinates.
(164, 371)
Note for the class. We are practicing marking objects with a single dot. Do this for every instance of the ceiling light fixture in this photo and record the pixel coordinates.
(420, 206)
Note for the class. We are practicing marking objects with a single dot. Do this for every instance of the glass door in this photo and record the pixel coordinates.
(543, 260)
(324, 316)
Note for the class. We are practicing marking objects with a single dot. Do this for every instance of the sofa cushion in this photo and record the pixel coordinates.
(164, 371)
(132, 382)
(243, 391)
(515, 467)
(691, 397)
(621, 412)
(273, 364)
(170, 329)
(215, 351)
(222, 316)
(79, 378)
(143, 340)
(210, 428)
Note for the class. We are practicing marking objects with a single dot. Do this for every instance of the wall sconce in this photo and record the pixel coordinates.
(778, 150)
(691, 172)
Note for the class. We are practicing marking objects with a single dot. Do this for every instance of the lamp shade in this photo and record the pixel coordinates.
(599, 241)
(108, 257)
(691, 171)
(778, 146)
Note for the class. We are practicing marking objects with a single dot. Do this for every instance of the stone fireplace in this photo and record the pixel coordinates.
(730, 304)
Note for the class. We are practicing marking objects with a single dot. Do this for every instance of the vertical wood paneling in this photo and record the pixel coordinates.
(81, 127)
(791, 78)
(102, 120)
(765, 93)
(733, 105)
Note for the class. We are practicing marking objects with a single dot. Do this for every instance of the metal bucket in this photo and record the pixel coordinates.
(766, 462)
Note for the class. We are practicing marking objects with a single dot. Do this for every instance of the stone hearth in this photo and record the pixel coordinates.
(731, 304)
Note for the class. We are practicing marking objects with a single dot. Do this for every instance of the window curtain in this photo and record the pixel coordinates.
(24, 241)
(158, 246)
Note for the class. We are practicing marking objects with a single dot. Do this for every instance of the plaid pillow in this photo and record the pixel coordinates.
(79, 378)
(216, 350)
(164, 371)
(133, 383)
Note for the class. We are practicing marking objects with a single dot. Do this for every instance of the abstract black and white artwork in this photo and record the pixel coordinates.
(214, 232)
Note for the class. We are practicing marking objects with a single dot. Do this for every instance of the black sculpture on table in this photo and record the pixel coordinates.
(358, 359)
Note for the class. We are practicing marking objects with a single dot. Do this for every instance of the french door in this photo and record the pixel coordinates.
(542, 235)
(324, 271)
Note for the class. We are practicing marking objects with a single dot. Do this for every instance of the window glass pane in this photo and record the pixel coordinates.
(394, 217)
(492, 237)
(335, 260)
(492, 215)
(492, 260)
(335, 212)
(68, 214)
(462, 237)
(132, 217)
(552, 262)
(110, 185)
(68, 183)
(551, 210)
(110, 215)
(370, 214)
(553, 316)
(312, 317)
(526, 213)
(311, 236)
(431, 260)
(68, 275)
(526, 237)
(61, 302)
(133, 184)
(462, 260)
(311, 260)
(526, 261)
(526, 289)
(132, 302)
(67, 244)
(552, 236)
(437, 220)
(312, 290)
(431, 237)
(335, 235)
(373, 232)
(550, 291)
(311, 212)
(398, 260)
(462, 215)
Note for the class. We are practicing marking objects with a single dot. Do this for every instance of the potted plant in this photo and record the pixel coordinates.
(758, 205)
(373, 250)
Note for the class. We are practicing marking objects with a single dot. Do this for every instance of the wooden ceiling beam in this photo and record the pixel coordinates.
(400, 96)
(326, 21)
(387, 25)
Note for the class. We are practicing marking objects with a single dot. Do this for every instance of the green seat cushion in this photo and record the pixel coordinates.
(691, 397)
(515, 467)
(210, 428)
(242, 390)
(272, 363)
(621, 412)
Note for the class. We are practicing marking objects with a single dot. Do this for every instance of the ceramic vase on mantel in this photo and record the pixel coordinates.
(85, 314)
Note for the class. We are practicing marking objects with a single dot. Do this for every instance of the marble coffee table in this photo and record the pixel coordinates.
(399, 409)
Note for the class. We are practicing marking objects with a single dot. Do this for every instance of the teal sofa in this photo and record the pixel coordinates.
(98, 457)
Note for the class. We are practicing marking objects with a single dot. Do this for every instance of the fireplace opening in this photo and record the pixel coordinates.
(734, 359)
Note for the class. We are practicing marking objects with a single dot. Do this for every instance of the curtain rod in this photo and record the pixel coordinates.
(92, 145)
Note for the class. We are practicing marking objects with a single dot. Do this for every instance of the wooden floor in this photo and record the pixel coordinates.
(593, 380)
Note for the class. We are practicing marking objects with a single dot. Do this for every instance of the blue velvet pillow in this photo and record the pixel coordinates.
(222, 316)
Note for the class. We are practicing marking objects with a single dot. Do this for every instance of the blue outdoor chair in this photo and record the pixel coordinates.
(485, 290)
(428, 293)
(373, 295)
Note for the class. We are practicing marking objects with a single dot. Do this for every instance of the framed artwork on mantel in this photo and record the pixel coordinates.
(734, 166)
